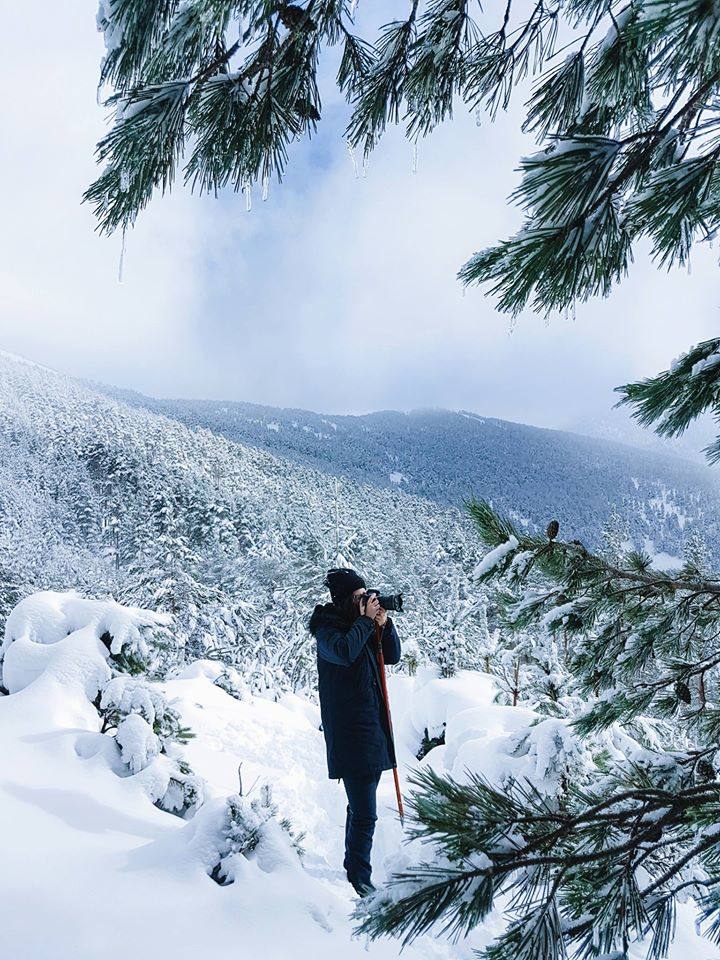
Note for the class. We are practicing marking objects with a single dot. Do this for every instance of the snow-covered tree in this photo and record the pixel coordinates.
(245, 823)
(695, 552)
(146, 726)
(616, 535)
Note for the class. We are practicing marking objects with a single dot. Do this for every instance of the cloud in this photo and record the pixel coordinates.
(60, 301)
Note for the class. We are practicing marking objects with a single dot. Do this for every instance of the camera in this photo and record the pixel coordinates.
(392, 602)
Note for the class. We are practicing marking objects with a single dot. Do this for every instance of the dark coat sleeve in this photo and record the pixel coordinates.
(343, 648)
(390, 643)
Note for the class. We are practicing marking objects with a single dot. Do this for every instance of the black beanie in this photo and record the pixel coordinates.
(341, 582)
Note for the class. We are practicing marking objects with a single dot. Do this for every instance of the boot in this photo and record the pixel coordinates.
(364, 889)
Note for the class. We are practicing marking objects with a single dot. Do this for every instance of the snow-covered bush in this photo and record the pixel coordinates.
(185, 791)
(147, 731)
(246, 824)
(232, 682)
(138, 744)
(69, 647)
(411, 656)
(63, 634)
(125, 695)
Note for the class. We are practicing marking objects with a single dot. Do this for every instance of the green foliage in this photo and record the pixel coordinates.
(674, 398)
(566, 865)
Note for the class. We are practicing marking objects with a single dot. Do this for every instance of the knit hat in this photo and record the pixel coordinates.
(341, 582)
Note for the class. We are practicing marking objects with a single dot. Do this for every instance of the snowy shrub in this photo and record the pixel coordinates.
(232, 682)
(147, 727)
(185, 791)
(125, 695)
(69, 638)
(138, 744)
(65, 645)
(556, 752)
(410, 659)
(428, 743)
(244, 827)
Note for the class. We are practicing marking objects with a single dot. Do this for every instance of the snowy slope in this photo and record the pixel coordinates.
(445, 455)
(114, 500)
(92, 868)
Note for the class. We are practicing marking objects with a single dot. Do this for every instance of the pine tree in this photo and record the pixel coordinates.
(601, 862)
(696, 553)
(616, 535)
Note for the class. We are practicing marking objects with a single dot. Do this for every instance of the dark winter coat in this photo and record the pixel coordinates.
(354, 716)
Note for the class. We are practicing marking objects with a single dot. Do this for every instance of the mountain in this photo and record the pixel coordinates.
(531, 473)
(619, 426)
(231, 540)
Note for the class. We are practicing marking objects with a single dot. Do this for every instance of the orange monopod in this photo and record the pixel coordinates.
(381, 664)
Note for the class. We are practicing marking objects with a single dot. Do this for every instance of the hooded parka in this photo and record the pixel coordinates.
(354, 716)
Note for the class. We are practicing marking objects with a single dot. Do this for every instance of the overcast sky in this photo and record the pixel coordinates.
(337, 294)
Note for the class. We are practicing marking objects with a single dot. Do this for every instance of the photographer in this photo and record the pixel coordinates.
(354, 715)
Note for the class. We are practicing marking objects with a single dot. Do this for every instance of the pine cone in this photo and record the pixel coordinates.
(294, 18)
(704, 770)
(305, 109)
(682, 692)
(552, 529)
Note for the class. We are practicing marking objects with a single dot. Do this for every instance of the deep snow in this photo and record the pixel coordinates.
(91, 868)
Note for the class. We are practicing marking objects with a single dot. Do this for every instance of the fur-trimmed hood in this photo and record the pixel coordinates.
(326, 613)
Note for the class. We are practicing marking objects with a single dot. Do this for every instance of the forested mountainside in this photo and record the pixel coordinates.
(533, 474)
(109, 499)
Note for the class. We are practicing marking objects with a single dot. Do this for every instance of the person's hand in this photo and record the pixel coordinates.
(370, 606)
(381, 618)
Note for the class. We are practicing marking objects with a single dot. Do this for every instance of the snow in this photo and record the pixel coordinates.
(665, 504)
(138, 744)
(397, 477)
(707, 363)
(113, 875)
(483, 737)
(114, 865)
(559, 613)
(494, 557)
(659, 559)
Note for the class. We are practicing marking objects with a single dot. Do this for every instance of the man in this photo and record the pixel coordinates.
(354, 715)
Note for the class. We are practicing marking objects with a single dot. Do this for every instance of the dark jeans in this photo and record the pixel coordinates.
(360, 826)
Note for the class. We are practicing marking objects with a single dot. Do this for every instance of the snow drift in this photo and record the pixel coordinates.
(123, 830)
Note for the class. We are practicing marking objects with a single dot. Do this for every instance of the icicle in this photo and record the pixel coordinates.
(124, 180)
(265, 187)
(121, 264)
(364, 168)
(415, 158)
(698, 927)
(247, 190)
(353, 8)
(351, 151)
(478, 117)
(595, 936)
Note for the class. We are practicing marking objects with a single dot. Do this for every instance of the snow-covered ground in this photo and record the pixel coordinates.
(92, 868)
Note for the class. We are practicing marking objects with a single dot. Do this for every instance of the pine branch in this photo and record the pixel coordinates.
(673, 399)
